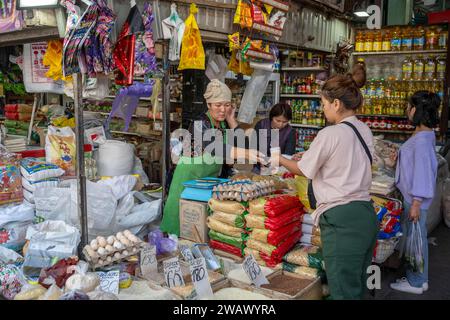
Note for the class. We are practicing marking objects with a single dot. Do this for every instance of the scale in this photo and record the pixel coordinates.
(200, 189)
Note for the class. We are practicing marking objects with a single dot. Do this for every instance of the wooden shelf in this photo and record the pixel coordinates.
(392, 131)
(151, 136)
(381, 116)
(307, 96)
(318, 69)
(307, 126)
(383, 53)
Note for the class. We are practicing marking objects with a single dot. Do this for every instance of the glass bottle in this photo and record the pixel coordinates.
(443, 39)
(419, 38)
(440, 68)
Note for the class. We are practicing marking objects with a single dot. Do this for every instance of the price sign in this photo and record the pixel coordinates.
(253, 271)
(199, 275)
(149, 264)
(109, 281)
(172, 273)
(186, 253)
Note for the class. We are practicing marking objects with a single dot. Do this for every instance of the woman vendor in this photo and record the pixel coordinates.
(279, 118)
(339, 165)
(205, 162)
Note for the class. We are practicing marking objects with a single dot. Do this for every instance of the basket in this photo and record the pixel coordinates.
(384, 249)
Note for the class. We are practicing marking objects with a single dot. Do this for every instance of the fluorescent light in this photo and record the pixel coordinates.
(361, 14)
(28, 4)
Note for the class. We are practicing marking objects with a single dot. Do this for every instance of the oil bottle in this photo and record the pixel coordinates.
(419, 68)
(419, 38)
(430, 68)
(407, 40)
(432, 39)
(440, 68)
(368, 42)
(407, 68)
(359, 41)
(386, 42)
(443, 39)
(396, 40)
(377, 41)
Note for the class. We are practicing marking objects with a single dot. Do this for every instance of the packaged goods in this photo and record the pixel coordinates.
(237, 242)
(273, 206)
(101, 295)
(275, 223)
(243, 190)
(14, 222)
(274, 237)
(226, 206)
(10, 178)
(307, 219)
(83, 282)
(238, 294)
(221, 227)
(262, 258)
(52, 293)
(305, 256)
(58, 273)
(309, 229)
(303, 271)
(225, 247)
(31, 186)
(74, 295)
(272, 251)
(311, 240)
(28, 196)
(234, 220)
(11, 281)
(30, 292)
(60, 149)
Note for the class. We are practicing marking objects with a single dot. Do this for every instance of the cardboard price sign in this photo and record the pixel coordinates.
(254, 272)
(186, 253)
(149, 264)
(172, 273)
(109, 281)
(199, 274)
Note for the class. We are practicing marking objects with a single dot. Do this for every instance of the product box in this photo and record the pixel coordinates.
(193, 215)
(157, 126)
(142, 112)
(144, 128)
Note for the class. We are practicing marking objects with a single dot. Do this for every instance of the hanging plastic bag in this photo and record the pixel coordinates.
(173, 28)
(53, 60)
(11, 281)
(60, 149)
(192, 52)
(217, 67)
(414, 249)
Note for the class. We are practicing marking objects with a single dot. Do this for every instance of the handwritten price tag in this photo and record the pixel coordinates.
(172, 273)
(186, 253)
(199, 275)
(253, 271)
(109, 281)
(149, 264)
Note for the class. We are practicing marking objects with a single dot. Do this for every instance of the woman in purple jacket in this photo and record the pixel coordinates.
(416, 179)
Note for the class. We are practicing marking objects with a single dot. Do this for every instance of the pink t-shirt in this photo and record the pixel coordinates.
(338, 166)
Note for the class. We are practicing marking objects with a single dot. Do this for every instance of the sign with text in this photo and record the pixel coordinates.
(109, 281)
(149, 264)
(200, 279)
(186, 253)
(172, 273)
(253, 271)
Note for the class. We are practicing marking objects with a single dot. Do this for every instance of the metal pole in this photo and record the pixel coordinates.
(166, 122)
(81, 178)
(37, 101)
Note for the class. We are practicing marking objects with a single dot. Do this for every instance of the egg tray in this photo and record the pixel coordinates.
(243, 190)
(94, 261)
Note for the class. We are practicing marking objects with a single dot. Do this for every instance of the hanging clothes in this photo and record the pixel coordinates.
(173, 29)
(145, 58)
(124, 52)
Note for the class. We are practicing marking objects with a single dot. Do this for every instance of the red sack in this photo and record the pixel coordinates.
(225, 247)
(273, 206)
(11, 108)
(275, 237)
(12, 115)
(274, 223)
(262, 258)
(60, 272)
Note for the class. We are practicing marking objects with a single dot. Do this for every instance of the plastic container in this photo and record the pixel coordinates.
(432, 39)
(419, 68)
(396, 40)
(377, 41)
(368, 43)
(359, 42)
(407, 40)
(419, 39)
(386, 42)
(407, 68)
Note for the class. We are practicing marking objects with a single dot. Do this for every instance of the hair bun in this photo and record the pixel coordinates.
(359, 74)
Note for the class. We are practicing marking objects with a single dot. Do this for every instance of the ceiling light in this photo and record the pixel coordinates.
(33, 4)
(361, 14)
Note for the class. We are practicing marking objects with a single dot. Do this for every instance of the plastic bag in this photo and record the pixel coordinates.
(192, 52)
(262, 258)
(83, 282)
(10, 177)
(11, 281)
(115, 158)
(163, 244)
(221, 227)
(243, 15)
(231, 207)
(53, 293)
(8, 256)
(54, 204)
(30, 292)
(225, 247)
(273, 252)
(33, 186)
(58, 273)
(309, 229)
(303, 271)
(60, 149)
(141, 215)
(306, 256)
(238, 66)
(414, 249)
(217, 67)
(273, 206)
(274, 237)
(233, 241)
(14, 222)
(311, 240)
(307, 219)
(233, 220)
(275, 223)
(302, 190)
(120, 185)
(101, 295)
(74, 295)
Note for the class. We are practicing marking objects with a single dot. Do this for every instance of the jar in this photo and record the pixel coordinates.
(383, 124)
(376, 123)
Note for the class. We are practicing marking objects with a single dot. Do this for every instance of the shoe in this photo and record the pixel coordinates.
(404, 286)
(424, 286)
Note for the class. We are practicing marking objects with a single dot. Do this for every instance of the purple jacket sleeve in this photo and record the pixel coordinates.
(424, 172)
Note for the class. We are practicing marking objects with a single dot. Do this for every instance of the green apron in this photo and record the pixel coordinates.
(187, 169)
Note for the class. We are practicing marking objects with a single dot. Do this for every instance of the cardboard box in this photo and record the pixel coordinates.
(193, 215)
(144, 128)
(142, 112)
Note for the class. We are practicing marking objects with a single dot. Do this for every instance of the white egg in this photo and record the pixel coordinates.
(110, 248)
(94, 243)
(119, 235)
(125, 253)
(118, 245)
(127, 232)
(117, 255)
(126, 242)
(100, 262)
(108, 259)
(102, 242)
(102, 251)
(94, 246)
(111, 240)
(134, 239)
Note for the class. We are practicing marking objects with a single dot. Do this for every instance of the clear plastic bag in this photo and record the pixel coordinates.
(414, 249)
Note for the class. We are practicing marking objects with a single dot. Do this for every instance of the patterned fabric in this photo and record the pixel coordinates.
(145, 58)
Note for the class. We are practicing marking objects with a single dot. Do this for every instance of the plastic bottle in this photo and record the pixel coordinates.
(419, 38)
(443, 39)
(407, 68)
(386, 44)
(440, 68)
(377, 41)
(432, 39)
(396, 40)
(419, 68)
(407, 39)
(430, 68)
(368, 43)
(359, 42)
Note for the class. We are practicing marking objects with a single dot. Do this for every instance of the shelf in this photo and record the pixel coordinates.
(151, 136)
(381, 116)
(307, 126)
(318, 69)
(309, 96)
(142, 98)
(392, 131)
(383, 53)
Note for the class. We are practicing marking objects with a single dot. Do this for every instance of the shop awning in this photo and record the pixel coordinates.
(28, 35)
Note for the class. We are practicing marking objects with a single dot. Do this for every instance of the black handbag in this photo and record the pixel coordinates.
(311, 196)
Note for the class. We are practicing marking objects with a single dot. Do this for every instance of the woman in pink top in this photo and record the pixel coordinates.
(339, 165)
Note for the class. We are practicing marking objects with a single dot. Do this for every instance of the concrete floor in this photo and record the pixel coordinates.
(439, 272)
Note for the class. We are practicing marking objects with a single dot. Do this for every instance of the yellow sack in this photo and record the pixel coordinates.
(53, 59)
(243, 15)
(192, 52)
(302, 191)
(239, 66)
